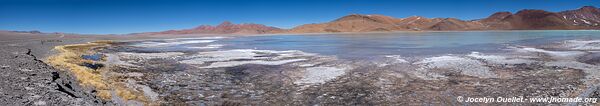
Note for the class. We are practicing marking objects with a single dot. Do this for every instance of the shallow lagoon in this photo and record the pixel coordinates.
(404, 43)
(376, 44)
(324, 67)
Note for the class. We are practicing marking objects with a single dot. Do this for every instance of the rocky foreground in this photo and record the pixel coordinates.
(27, 80)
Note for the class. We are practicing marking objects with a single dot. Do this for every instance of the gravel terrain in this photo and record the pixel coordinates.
(27, 80)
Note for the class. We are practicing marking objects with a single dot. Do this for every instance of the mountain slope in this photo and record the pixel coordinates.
(586, 17)
(370, 23)
(351, 23)
(583, 18)
(224, 28)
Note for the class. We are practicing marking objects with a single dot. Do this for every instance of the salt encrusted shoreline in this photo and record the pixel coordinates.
(255, 77)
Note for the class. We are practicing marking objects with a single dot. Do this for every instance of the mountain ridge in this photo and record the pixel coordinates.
(223, 28)
(584, 18)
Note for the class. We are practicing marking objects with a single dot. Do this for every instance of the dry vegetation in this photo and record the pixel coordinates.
(70, 58)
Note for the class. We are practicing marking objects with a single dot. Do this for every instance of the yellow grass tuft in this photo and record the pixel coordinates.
(128, 94)
(104, 94)
(69, 58)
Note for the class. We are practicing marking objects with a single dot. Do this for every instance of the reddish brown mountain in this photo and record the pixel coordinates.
(225, 28)
(587, 17)
(351, 23)
(584, 18)
(370, 23)
(526, 19)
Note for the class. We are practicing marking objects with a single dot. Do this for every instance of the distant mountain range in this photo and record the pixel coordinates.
(225, 28)
(586, 17)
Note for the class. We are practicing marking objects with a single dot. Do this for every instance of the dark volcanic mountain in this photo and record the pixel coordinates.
(225, 28)
(526, 19)
(587, 17)
(584, 18)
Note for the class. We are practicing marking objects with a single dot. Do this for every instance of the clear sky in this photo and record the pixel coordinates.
(129, 16)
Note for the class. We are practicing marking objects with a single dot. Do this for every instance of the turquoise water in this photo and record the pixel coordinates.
(366, 45)
(406, 44)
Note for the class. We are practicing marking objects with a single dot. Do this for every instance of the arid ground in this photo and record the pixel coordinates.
(59, 69)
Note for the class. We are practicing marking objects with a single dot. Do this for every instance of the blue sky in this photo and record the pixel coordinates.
(129, 16)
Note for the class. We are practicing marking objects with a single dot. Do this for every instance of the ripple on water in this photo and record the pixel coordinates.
(211, 46)
(582, 44)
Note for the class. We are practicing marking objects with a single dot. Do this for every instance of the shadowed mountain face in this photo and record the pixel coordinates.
(587, 17)
(526, 19)
(584, 18)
